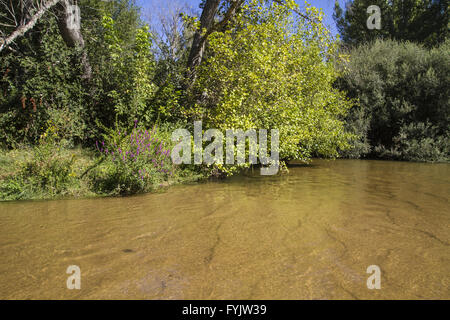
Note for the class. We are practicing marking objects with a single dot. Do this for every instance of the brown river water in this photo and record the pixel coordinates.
(309, 234)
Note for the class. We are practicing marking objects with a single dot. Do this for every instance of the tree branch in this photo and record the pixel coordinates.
(304, 16)
(70, 28)
(29, 25)
(228, 15)
(207, 23)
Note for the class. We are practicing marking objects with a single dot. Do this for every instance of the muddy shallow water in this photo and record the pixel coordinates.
(307, 235)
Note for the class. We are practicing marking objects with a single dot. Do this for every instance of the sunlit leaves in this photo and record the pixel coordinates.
(273, 70)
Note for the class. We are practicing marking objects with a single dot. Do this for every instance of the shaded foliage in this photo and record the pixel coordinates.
(422, 21)
(42, 79)
(403, 95)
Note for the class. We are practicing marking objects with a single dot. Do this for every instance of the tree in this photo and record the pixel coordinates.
(169, 29)
(43, 74)
(422, 21)
(272, 69)
(208, 26)
(20, 17)
(216, 15)
(402, 89)
(23, 15)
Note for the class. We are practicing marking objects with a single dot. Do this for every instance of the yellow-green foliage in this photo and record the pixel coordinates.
(274, 70)
(133, 71)
(45, 171)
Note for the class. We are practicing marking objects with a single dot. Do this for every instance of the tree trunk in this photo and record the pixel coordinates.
(70, 28)
(198, 45)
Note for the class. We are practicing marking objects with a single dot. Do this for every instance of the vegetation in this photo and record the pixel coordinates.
(89, 108)
(270, 69)
(403, 92)
(47, 170)
(420, 21)
(399, 76)
(134, 162)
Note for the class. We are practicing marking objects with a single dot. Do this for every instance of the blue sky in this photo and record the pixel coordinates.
(326, 5)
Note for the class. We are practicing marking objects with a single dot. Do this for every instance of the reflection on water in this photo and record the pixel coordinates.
(307, 235)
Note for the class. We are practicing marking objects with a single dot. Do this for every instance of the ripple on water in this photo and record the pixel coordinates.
(308, 234)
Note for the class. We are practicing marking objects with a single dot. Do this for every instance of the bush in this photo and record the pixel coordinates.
(41, 83)
(128, 73)
(418, 142)
(46, 173)
(403, 91)
(125, 164)
(132, 161)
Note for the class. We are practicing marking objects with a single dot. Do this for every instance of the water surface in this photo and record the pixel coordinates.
(307, 235)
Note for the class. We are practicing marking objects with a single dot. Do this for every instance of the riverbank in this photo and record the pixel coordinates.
(40, 173)
(33, 173)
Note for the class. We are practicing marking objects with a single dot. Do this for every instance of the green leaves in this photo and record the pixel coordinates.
(132, 71)
(271, 70)
(402, 90)
(422, 21)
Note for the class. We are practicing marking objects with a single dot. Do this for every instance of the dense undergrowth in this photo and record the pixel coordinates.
(122, 164)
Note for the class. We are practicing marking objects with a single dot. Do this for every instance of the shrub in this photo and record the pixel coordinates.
(418, 142)
(46, 173)
(132, 162)
(127, 75)
(40, 84)
(403, 89)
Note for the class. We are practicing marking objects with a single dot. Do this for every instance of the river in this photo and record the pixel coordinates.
(309, 234)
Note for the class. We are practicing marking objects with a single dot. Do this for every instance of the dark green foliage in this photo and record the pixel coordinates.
(41, 81)
(403, 91)
(41, 78)
(422, 21)
(418, 142)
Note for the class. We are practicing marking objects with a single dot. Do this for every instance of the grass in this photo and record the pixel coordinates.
(27, 174)
(122, 164)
